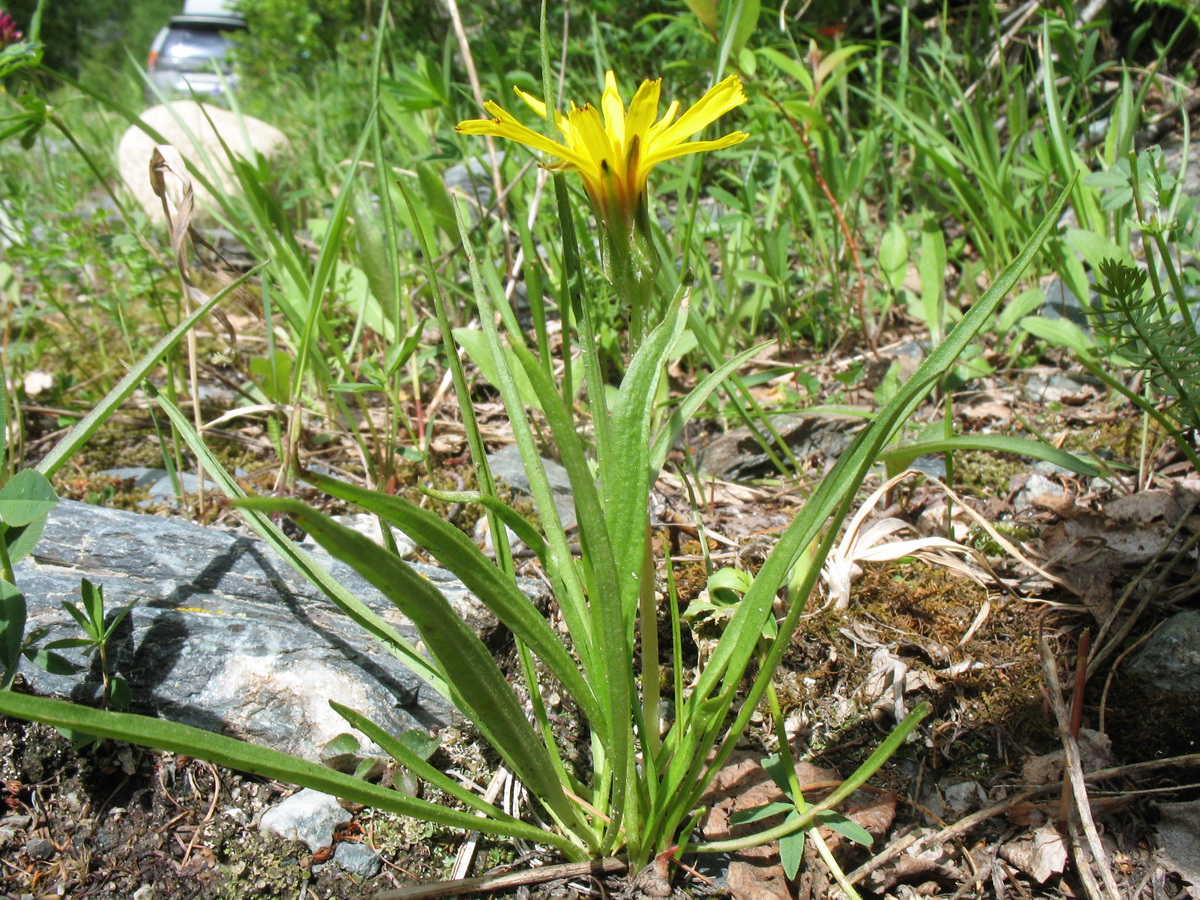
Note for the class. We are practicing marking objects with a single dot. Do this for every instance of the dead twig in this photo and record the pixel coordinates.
(967, 823)
(473, 886)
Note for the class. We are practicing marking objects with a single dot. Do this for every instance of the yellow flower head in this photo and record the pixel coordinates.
(614, 149)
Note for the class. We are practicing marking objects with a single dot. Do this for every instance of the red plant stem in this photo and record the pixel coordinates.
(860, 289)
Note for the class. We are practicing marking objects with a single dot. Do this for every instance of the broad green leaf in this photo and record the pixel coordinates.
(706, 12)
(1018, 307)
(1059, 333)
(893, 255)
(456, 552)
(835, 821)
(12, 629)
(475, 343)
(476, 684)
(21, 541)
(788, 66)
(791, 852)
(1095, 248)
(28, 496)
(50, 662)
(274, 375)
(626, 478)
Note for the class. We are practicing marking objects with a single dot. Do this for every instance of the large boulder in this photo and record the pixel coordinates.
(196, 131)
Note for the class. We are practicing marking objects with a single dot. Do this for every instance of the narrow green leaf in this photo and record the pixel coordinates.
(687, 408)
(401, 751)
(898, 459)
(89, 424)
(224, 751)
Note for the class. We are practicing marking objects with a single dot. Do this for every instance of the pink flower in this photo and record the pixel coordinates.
(9, 32)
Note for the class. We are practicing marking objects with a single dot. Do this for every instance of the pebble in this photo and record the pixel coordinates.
(307, 816)
(40, 847)
(358, 859)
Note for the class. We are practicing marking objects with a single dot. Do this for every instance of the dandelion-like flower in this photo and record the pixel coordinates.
(9, 32)
(614, 149)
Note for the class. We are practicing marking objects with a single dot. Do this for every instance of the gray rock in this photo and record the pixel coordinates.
(737, 456)
(472, 178)
(358, 859)
(158, 483)
(1170, 660)
(226, 636)
(508, 468)
(40, 848)
(307, 816)
(1037, 486)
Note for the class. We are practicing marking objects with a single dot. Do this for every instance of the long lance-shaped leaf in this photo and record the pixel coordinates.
(896, 460)
(568, 590)
(597, 561)
(87, 426)
(234, 754)
(302, 562)
(499, 593)
(476, 683)
(625, 476)
(737, 644)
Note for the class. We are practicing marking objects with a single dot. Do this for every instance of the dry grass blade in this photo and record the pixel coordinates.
(1081, 808)
(173, 186)
(864, 542)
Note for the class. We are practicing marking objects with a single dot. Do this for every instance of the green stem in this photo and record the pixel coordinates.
(6, 565)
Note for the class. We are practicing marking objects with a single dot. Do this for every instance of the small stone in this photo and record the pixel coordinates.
(145, 892)
(40, 848)
(358, 859)
(307, 816)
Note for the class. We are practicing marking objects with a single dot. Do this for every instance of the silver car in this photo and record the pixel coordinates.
(191, 56)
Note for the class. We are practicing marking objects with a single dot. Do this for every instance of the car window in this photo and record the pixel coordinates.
(193, 42)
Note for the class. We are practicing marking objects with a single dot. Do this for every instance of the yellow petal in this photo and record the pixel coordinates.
(614, 109)
(719, 100)
(665, 122)
(532, 102)
(590, 138)
(643, 108)
(665, 152)
(504, 125)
